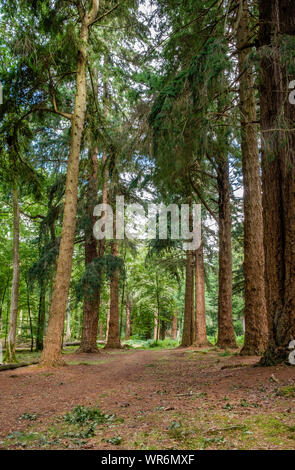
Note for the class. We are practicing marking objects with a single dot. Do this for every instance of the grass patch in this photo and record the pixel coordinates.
(287, 391)
(152, 344)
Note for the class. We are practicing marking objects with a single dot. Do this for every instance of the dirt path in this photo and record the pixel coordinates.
(164, 399)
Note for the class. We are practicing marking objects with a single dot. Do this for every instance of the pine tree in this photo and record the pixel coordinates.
(255, 304)
(52, 350)
(277, 114)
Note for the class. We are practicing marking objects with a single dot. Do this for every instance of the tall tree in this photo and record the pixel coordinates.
(277, 115)
(174, 325)
(255, 303)
(91, 296)
(226, 334)
(52, 350)
(114, 327)
(200, 311)
(188, 334)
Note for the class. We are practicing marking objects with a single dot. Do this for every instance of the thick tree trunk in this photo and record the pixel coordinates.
(113, 340)
(277, 116)
(91, 301)
(226, 334)
(188, 333)
(255, 303)
(52, 350)
(113, 333)
(128, 318)
(174, 326)
(10, 345)
(101, 336)
(41, 316)
(200, 311)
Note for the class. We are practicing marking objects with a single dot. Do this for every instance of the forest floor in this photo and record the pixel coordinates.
(163, 399)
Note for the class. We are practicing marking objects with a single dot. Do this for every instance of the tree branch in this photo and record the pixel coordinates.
(105, 14)
(203, 200)
(92, 13)
(54, 111)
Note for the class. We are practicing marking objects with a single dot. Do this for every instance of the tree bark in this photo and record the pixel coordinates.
(52, 350)
(226, 334)
(101, 336)
(10, 356)
(255, 302)
(174, 326)
(91, 302)
(188, 333)
(277, 118)
(200, 311)
(163, 330)
(113, 341)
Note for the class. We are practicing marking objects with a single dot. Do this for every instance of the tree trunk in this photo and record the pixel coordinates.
(10, 345)
(52, 351)
(163, 330)
(277, 116)
(226, 334)
(41, 317)
(101, 336)
(200, 312)
(30, 316)
(188, 333)
(91, 301)
(174, 326)
(128, 318)
(113, 333)
(255, 303)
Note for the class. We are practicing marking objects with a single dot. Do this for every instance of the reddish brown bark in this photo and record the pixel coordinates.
(226, 334)
(255, 304)
(174, 326)
(91, 301)
(113, 340)
(101, 334)
(277, 118)
(188, 333)
(200, 311)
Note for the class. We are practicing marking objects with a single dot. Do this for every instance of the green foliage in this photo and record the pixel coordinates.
(82, 415)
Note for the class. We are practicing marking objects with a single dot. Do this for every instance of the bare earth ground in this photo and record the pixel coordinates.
(164, 399)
